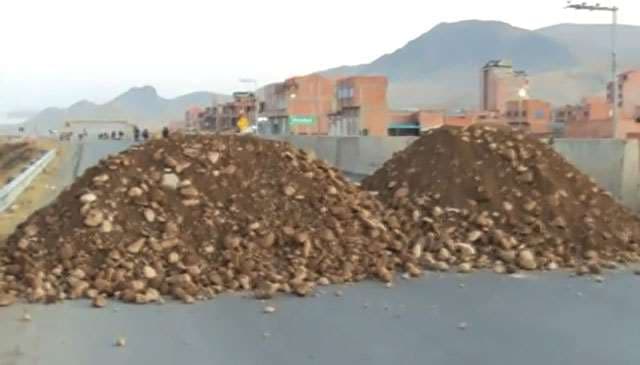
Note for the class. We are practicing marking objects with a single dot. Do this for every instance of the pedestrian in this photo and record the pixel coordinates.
(165, 132)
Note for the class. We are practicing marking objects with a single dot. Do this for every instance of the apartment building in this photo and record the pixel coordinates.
(499, 84)
(361, 107)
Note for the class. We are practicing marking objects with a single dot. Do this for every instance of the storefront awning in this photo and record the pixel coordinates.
(403, 126)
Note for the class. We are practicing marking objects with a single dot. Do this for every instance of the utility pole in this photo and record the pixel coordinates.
(614, 62)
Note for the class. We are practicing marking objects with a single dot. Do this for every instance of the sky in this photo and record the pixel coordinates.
(53, 53)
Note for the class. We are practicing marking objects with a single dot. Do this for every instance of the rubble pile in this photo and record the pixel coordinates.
(193, 216)
(487, 197)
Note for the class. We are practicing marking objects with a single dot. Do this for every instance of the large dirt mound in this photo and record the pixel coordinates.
(193, 216)
(491, 197)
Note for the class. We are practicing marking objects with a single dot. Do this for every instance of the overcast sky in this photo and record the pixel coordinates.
(57, 52)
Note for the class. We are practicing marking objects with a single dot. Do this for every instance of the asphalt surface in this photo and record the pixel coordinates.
(543, 319)
(438, 319)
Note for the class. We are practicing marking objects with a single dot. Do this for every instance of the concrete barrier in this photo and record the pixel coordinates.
(10, 192)
(614, 164)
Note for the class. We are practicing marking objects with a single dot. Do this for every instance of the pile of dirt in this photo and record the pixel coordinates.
(490, 197)
(193, 216)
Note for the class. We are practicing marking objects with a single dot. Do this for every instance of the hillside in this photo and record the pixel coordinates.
(591, 43)
(140, 105)
(441, 67)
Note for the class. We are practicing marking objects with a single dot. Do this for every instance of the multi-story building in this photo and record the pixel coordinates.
(299, 105)
(225, 116)
(499, 84)
(192, 116)
(361, 107)
(531, 115)
(628, 93)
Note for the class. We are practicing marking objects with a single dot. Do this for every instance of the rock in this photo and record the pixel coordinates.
(170, 181)
(100, 179)
(173, 257)
(474, 236)
(23, 244)
(265, 290)
(465, 268)
(444, 254)
(100, 301)
(106, 227)
(149, 272)
(508, 256)
(466, 250)
(121, 342)
(136, 246)
(403, 192)
(499, 269)
(231, 242)
(269, 309)
(135, 192)
(323, 281)
(88, 198)
(189, 192)
(94, 218)
(213, 157)
(413, 269)
(149, 215)
(7, 299)
(26, 317)
(527, 260)
(289, 190)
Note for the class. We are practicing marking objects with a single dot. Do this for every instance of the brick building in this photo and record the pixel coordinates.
(192, 116)
(299, 105)
(499, 84)
(361, 107)
(531, 115)
(628, 93)
(413, 122)
(225, 116)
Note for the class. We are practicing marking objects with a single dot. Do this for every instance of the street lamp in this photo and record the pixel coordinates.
(254, 83)
(614, 72)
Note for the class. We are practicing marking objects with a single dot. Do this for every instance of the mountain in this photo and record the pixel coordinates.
(441, 68)
(139, 105)
(591, 43)
(467, 44)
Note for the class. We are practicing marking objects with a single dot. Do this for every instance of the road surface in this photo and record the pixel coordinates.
(438, 319)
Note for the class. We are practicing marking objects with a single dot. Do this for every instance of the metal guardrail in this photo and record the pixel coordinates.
(12, 190)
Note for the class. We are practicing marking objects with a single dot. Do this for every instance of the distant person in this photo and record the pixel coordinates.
(120, 134)
(136, 133)
(145, 134)
(165, 132)
(113, 134)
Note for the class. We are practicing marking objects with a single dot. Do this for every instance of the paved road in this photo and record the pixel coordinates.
(548, 319)
(541, 319)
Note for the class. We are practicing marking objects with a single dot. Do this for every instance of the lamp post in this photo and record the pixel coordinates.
(614, 72)
(254, 83)
(522, 94)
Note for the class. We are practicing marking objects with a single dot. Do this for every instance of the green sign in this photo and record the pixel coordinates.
(301, 119)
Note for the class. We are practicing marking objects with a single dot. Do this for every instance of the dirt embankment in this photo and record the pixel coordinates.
(487, 197)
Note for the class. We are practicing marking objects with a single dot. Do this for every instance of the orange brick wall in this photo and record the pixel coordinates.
(313, 97)
(370, 98)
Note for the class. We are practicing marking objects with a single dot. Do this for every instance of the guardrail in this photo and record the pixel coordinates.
(12, 190)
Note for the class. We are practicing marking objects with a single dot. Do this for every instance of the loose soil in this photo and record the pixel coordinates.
(489, 197)
(193, 216)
